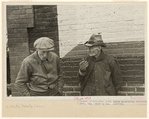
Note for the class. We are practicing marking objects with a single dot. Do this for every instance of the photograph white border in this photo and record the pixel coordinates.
(66, 97)
(9, 100)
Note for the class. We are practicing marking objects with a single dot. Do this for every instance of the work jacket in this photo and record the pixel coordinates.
(38, 76)
(102, 77)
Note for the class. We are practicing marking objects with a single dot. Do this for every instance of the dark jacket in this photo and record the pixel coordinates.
(103, 76)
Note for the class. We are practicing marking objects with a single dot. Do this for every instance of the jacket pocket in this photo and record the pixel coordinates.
(37, 81)
(34, 80)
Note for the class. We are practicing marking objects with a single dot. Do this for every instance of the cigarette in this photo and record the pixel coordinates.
(84, 58)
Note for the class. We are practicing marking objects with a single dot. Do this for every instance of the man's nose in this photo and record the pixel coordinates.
(90, 50)
(45, 55)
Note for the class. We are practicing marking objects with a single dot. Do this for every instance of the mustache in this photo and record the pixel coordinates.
(92, 54)
(44, 58)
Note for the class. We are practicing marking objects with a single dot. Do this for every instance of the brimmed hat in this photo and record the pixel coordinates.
(44, 43)
(95, 40)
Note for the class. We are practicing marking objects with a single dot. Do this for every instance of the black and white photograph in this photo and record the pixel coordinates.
(75, 51)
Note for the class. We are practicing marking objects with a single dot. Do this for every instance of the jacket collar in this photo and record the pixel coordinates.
(101, 57)
(37, 57)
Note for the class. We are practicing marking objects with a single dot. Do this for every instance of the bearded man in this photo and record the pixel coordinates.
(99, 74)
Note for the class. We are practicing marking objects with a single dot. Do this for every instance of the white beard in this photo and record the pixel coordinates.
(92, 54)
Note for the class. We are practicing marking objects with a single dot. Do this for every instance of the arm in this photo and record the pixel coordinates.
(81, 75)
(23, 79)
(60, 76)
(116, 75)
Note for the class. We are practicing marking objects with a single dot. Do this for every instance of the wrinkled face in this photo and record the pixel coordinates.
(43, 55)
(94, 50)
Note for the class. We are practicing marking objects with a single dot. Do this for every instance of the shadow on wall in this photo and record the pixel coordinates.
(130, 56)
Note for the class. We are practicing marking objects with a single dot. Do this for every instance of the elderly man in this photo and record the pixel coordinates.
(40, 73)
(99, 73)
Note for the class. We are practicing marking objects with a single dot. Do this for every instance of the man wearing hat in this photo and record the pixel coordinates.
(99, 74)
(40, 73)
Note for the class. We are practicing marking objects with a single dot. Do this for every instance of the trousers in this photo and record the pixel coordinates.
(47, 93)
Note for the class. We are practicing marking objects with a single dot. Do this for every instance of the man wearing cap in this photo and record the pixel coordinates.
(99, 74)
(40, 73)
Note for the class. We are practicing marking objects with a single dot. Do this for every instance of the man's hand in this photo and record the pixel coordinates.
(83, 65)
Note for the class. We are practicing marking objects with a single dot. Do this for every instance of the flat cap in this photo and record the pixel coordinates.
(44, 43)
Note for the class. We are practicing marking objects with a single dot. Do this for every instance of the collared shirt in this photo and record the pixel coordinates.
(38, 76)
